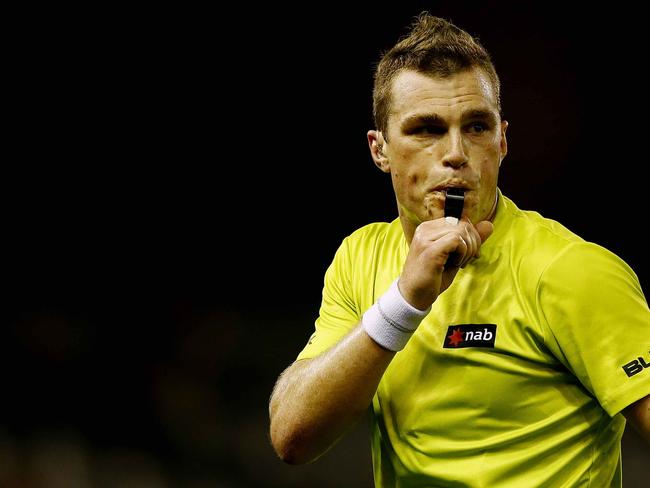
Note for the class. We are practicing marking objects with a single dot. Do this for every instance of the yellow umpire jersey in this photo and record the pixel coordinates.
(518, 374)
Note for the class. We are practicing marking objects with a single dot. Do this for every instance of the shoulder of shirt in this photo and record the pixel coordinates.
(367, 246)
(542, 243)
(374, 233)
(536, 227)
(539, 240)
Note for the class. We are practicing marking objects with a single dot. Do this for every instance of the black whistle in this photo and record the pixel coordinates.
(454, 202)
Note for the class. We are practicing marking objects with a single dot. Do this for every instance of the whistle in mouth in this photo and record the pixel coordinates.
(454, 200)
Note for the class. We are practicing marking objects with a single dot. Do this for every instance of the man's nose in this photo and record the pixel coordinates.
(455, 154)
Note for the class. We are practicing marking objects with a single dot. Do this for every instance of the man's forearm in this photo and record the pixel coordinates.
(638, 414)
(317, 400)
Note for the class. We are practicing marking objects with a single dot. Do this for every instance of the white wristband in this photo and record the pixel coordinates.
(392, 320)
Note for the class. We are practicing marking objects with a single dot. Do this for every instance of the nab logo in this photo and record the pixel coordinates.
(470, 335)
(634, 367)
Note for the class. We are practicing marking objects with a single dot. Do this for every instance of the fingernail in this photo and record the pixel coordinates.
(452, 220)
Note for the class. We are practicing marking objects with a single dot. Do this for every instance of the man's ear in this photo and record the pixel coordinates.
(377, 145)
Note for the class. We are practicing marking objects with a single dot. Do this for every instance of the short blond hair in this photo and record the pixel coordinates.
(434, 47)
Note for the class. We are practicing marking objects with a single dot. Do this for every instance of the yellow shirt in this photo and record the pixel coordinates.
(537, 403)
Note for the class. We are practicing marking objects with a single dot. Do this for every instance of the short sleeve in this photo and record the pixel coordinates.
(339, 313)
(597, 321)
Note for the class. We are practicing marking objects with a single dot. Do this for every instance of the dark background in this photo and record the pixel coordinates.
(174, 191)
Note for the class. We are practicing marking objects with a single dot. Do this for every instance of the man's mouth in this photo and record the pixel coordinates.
(443, 187)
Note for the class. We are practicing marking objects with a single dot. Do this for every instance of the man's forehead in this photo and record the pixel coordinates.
(470, 89)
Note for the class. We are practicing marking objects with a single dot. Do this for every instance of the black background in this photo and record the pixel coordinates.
(177, 182)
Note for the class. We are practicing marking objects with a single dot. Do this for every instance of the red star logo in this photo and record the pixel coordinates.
(455, 338)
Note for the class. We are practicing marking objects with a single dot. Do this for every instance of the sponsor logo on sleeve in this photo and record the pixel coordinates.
(470, 335)
(636, 366)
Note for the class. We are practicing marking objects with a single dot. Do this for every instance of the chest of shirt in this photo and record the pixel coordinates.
(479, 353)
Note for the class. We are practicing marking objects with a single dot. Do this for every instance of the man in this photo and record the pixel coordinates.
(498, 350)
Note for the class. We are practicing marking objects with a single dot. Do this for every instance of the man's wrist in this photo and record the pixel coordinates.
(391, 321)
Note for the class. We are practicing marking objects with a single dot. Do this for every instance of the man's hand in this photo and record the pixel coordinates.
(438, 250)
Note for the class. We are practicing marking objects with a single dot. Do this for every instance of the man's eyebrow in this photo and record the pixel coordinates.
(435, 119)
(479, 114)
(423, 119)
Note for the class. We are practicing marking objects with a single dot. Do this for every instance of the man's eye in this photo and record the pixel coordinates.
(430, 130)
(478, 127)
